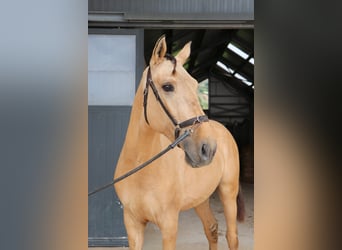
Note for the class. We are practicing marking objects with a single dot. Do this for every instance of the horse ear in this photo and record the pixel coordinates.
(183, 55)
(159, 51)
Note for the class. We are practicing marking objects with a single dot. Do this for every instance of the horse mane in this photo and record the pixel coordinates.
(173, 60)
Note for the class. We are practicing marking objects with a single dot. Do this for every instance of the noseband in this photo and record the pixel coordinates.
(178, 126)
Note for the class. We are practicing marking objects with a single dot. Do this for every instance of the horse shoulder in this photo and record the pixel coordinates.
(228, 149)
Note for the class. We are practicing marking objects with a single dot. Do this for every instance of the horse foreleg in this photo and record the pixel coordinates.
(135, 231)
(209, 223)
(228, 194)
(169, 226)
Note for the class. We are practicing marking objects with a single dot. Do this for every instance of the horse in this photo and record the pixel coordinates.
(186, 176)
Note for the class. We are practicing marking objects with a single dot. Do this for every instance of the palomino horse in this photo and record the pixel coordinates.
(186, 176)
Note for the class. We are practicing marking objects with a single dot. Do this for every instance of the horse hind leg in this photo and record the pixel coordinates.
(135, 231)
(233, 211)
(209, 222)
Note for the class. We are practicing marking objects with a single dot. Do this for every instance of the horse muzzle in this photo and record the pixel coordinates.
(199, 154)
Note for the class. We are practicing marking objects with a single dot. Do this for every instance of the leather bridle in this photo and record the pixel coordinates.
(178, 126)
(190, 122)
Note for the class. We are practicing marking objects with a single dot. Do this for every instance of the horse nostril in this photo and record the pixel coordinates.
(205, 151)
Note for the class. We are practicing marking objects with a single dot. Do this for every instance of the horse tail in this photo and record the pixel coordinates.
(241, 210)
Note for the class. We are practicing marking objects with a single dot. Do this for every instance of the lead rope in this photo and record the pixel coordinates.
(171, 146)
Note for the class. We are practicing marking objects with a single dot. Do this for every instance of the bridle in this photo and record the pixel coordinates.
(195, 121)
(178, 126)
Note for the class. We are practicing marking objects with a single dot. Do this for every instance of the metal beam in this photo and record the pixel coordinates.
(228, 108)
(98, 23)
(230, 103)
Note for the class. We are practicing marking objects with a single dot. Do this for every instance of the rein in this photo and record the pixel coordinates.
(168, 148)
(178, 126)
(193, 122)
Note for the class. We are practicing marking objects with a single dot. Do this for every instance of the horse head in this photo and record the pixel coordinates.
(176, 106)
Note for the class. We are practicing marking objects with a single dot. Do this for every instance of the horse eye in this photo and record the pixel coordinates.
(168, 87)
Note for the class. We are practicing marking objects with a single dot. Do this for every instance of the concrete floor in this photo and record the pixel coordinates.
(190, 231)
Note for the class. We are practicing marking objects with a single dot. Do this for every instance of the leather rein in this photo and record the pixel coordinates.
(178, 126)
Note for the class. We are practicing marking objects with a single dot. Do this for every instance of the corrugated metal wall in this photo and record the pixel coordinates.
(226, 104)
(177, 9)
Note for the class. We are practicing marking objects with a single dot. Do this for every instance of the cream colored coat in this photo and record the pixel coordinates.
(170, 184)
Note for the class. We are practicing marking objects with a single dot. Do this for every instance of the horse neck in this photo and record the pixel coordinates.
(139, 133)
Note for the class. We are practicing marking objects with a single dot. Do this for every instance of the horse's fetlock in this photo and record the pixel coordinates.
(233, 241)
